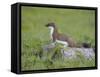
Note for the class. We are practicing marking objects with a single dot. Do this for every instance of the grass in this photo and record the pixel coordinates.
(79, 24)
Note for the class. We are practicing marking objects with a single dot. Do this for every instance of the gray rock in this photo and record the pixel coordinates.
(87, 53)
(71, 53)
(68, 53)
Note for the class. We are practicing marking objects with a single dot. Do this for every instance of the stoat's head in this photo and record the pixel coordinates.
(52, 28)
(51, 25)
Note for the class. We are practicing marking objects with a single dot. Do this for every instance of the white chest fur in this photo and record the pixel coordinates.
(51, 31)
(58, 41)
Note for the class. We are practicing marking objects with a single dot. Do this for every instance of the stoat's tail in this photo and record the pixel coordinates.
(85, 45)
(73, 43)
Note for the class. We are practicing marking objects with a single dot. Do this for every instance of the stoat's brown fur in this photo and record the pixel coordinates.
(61, 37)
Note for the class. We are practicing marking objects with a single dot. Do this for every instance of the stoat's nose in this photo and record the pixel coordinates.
(46, 25)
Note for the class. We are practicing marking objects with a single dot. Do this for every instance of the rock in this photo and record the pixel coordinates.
(71, 53)
(68, 53)
(88, 53)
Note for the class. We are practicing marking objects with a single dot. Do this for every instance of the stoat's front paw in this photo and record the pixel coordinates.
(53, 44)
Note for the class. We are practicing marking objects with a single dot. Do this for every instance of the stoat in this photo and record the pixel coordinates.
(60, 38)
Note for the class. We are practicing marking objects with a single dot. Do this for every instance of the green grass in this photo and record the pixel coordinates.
(79, 24)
